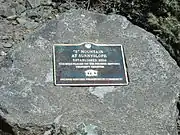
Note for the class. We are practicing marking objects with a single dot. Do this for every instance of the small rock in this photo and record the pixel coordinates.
(20, 8)
(34, 3)
(36, 20)
(47, 132)
(20, 1)
(14, 22)
(1, 58)
(24, 15)
(21, 21)
(57, 16)
(46, 2)
(54, 4)
(10, 12)
(13, 4)
(4, 37)
(33, 15)
(50, 17)
(13, 17)
(2, 11)
(7, 45)
(31, 25)
(2, 53)
(63, 130)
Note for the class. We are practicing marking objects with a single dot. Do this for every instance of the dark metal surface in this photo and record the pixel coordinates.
(89, 64)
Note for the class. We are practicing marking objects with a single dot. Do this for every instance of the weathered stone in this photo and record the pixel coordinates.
(5, 37)
(8, 45)
(26, 23)
(33, 14)
(2, 53)
(46, 2)
(31, 25)
(21, 21)
(9, 12)
(147, 106)
(20, 8)
(34, 3)
(12, 17)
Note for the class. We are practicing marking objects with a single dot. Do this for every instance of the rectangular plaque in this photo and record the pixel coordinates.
(89, 64)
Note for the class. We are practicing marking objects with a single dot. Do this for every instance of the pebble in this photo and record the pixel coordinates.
(1, 58)
(20, 8)
(9, 12)
(21, 20)
(7, 45)
(4, 37)
(46, 2)
(33, 15)
(14, 22)
(31, 25)
(57, 16)
(34, 3)
(13, 17)
(2, 53)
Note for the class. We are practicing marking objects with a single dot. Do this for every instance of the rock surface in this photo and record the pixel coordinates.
(147, 106)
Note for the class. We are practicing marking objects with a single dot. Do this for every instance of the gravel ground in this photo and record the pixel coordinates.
(18, 18)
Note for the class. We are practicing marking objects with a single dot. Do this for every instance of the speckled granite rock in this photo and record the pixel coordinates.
(147, 106)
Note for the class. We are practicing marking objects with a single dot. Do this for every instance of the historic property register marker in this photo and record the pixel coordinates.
(89, 64)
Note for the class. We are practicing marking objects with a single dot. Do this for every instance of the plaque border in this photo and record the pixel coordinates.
(84, 84)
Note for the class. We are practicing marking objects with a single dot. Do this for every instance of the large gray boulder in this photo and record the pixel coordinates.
(147, 106)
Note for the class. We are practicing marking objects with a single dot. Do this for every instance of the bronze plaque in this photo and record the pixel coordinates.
(89, 64)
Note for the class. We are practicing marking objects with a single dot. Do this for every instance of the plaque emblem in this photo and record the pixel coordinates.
(91, 72)
(88, 64)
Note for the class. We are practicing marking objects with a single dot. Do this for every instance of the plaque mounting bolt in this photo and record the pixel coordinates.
(88, 45)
